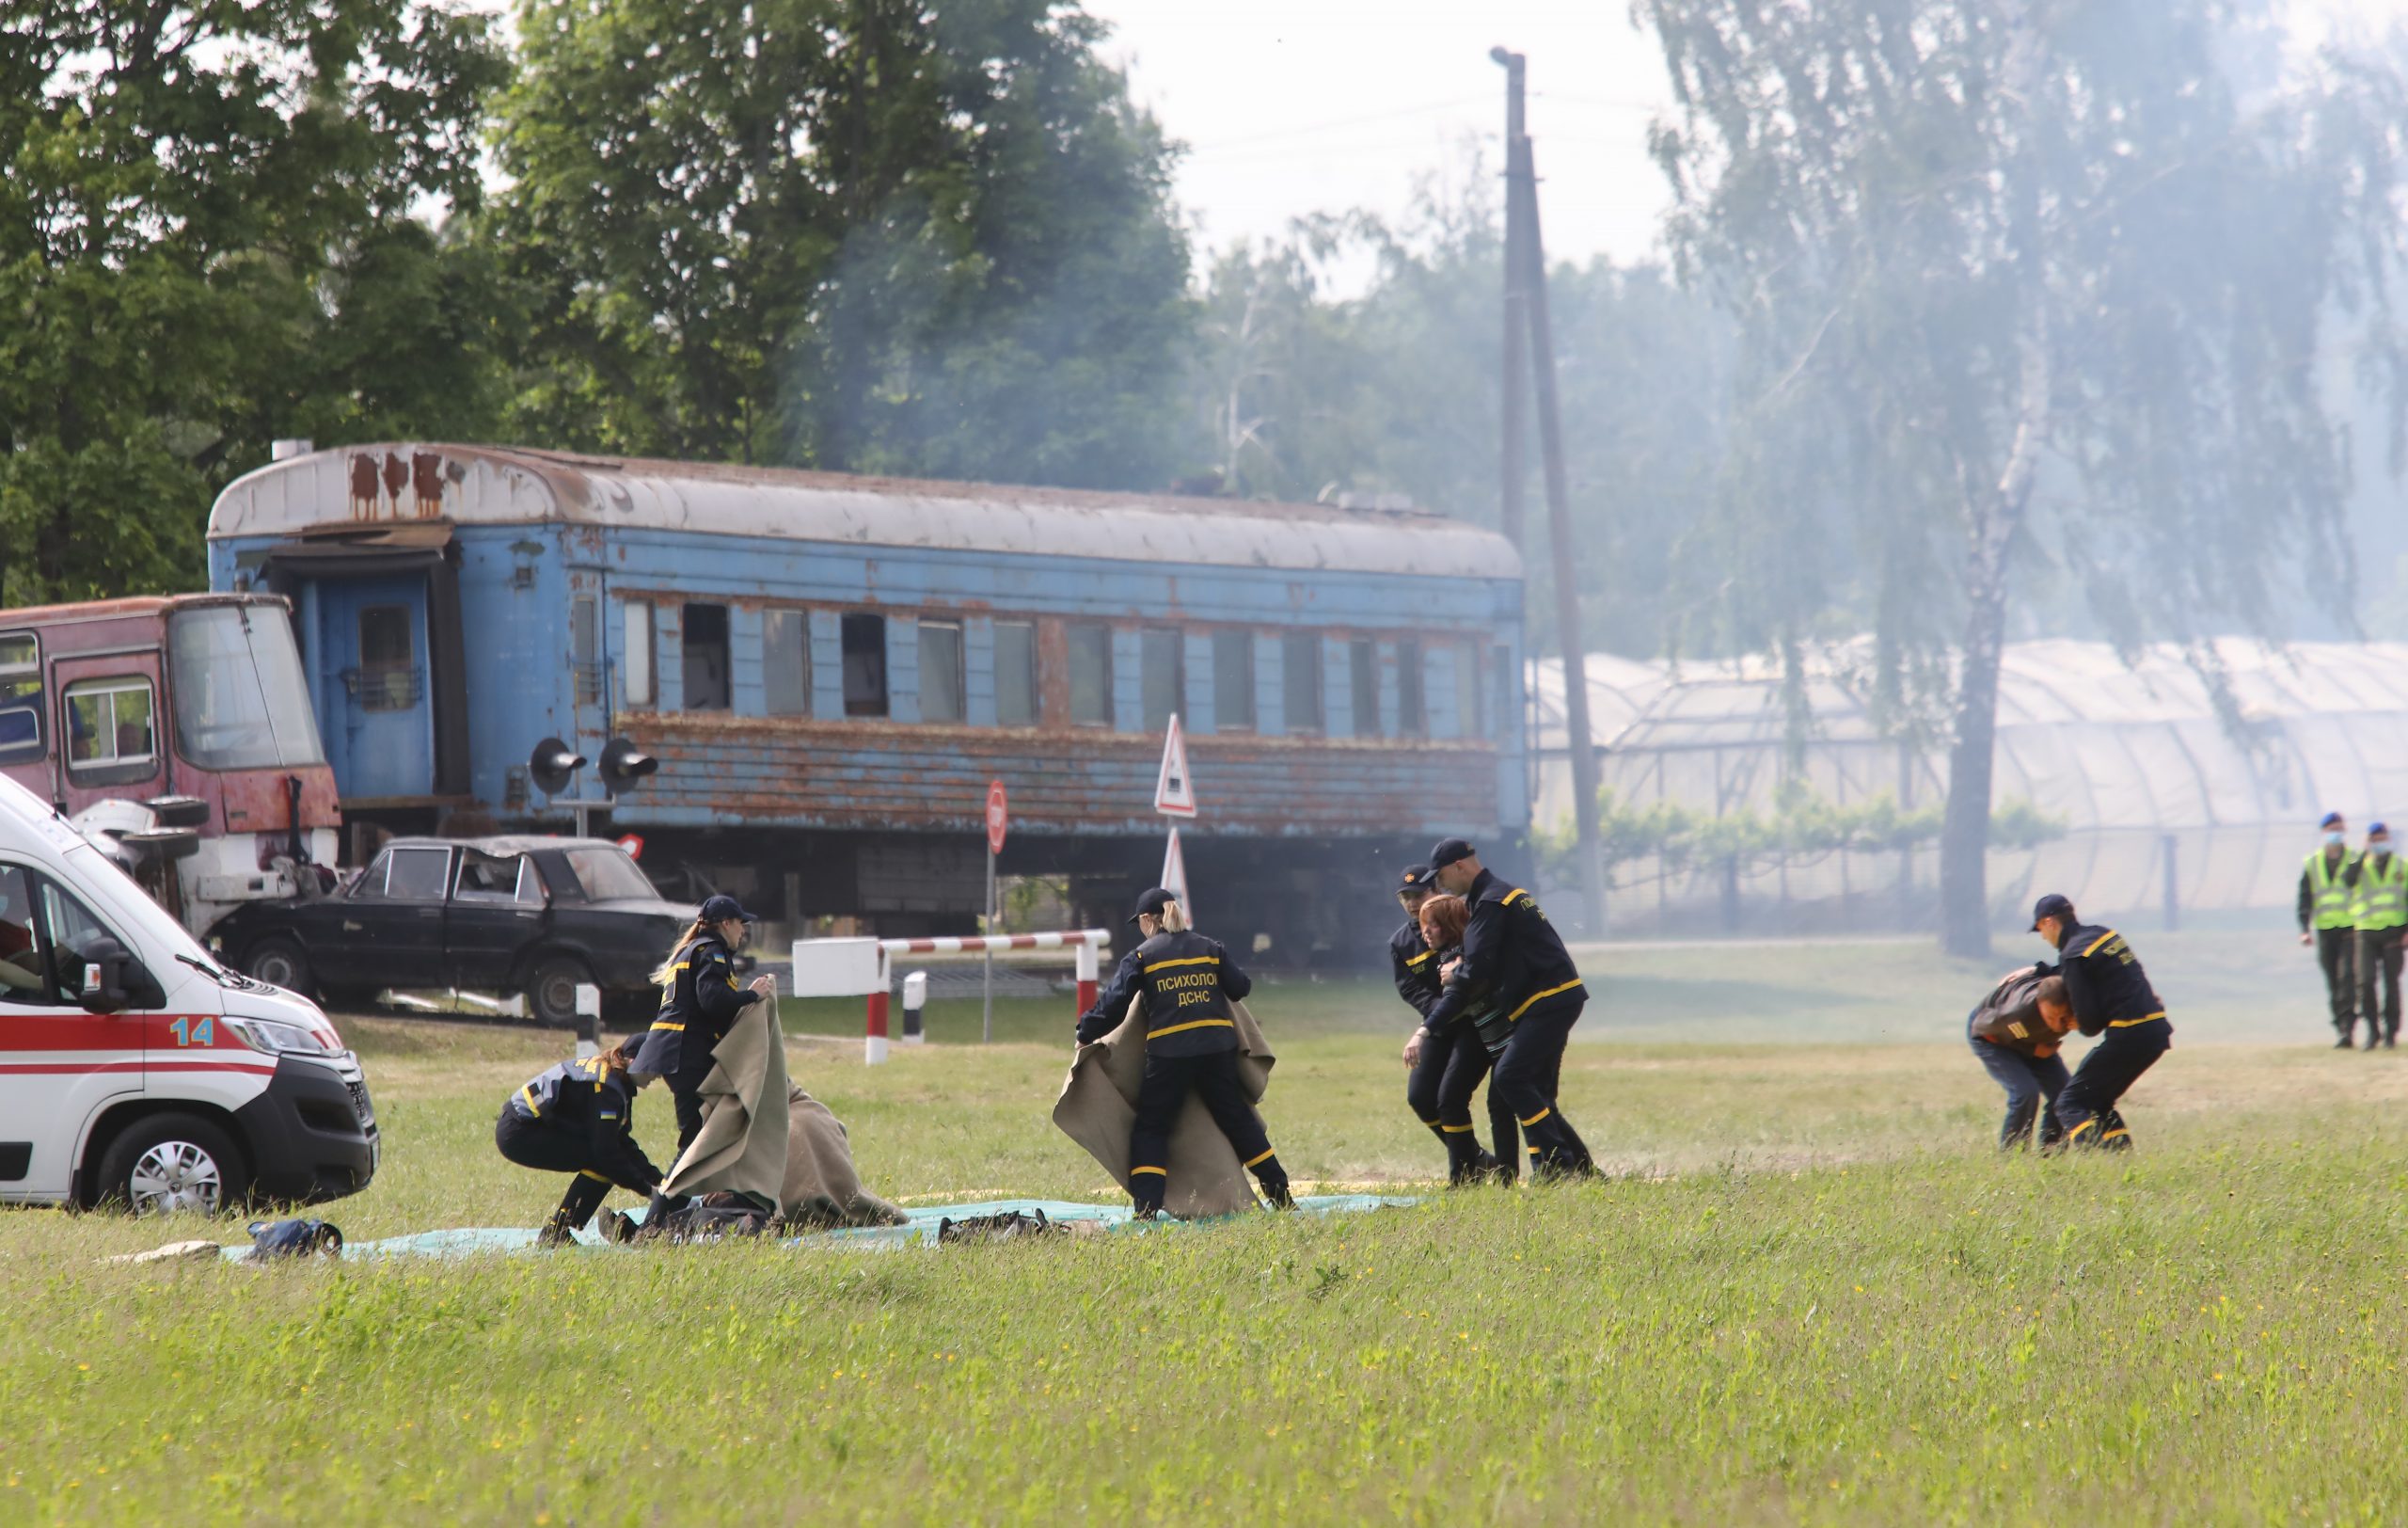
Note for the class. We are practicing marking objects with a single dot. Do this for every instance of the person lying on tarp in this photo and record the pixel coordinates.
(578, 1118)
(1188, 983)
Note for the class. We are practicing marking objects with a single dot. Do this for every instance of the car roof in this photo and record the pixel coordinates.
(502, 846)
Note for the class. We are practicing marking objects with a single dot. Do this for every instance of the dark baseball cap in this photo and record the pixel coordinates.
(1150, 903)
(2332, 819)
(1417, 878)
(2053, 905)
(719, 909)
(1448, 852)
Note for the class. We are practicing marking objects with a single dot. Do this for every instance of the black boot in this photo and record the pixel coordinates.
(557, 1232)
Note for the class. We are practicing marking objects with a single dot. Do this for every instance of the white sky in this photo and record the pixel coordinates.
(1298, 106)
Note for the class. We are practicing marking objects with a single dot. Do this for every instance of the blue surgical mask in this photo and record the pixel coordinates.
(2378, 846)
(2332, 841)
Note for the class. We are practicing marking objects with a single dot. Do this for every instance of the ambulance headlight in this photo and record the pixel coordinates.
(274, 1039)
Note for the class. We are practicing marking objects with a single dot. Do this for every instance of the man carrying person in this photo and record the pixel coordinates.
(2325, 904)
(2110, 996)
(1513, 955)
(2379, 907)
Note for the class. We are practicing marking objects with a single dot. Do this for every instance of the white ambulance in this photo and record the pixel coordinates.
(134, 1070)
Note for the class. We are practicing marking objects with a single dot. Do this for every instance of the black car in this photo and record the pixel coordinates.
(534, 915)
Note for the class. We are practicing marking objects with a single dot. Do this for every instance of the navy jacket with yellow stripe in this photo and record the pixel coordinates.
(596, 1104)
(1512, 956)
(698, 1006)
(1188, 981)
(2106, 985)
(1416, 967)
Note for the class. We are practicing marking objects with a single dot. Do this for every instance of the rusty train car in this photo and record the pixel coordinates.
(830, 669)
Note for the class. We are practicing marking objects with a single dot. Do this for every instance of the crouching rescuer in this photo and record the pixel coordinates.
(578, 1118)
(1187, 982)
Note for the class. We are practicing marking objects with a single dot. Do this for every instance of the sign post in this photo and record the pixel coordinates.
(1175, 797)
(998, 819)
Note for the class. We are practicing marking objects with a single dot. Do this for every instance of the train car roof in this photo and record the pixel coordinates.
(367, 487)
(130, 605)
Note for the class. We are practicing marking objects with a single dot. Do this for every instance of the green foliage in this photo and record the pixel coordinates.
(207, 240)
(890, 235)
(1802, 827)
(1301, 394)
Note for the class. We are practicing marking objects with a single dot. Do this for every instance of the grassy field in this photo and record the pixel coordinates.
(1809, 1293)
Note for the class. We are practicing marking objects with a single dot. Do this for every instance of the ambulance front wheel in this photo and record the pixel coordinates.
(170, 1162)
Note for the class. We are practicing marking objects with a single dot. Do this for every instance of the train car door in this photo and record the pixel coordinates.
(381, 743)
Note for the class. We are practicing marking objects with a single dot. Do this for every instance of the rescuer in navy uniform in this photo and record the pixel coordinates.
(578, 1118)
(700, 999)
(1191, 1047)
(1416, 963)
(2109, 995)
(1513, 956)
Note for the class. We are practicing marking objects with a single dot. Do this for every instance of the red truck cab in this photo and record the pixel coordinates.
(180, 711)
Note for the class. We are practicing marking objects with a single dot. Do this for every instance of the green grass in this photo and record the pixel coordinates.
(1811, 1292)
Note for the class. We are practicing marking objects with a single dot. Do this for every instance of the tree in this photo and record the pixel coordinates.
(2024, 287)
(207, 239)
(1299, 394)
(867, 235)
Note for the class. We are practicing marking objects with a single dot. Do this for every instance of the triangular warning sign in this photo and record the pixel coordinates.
(1175, 877)
(1175, 792)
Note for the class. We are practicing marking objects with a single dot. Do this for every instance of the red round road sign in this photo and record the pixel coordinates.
(633, 844)
(997, 818)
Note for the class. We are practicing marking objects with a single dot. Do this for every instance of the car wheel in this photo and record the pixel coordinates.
(551, 990)
(173, 1162)
(279, 963)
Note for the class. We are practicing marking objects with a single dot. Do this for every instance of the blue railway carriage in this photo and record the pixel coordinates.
(829, 670)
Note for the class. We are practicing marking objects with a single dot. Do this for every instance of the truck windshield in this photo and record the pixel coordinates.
(241, 702)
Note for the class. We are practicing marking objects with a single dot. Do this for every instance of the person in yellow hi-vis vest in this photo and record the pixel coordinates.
(2325, 907)
(2378, 903)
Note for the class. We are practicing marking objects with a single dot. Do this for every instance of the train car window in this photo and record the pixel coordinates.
(865, 638)
(1163, 657)
(109, 732)
(1016, 674)
(786, 661)
(389, 673)
(585, 649)
(20, 705)
(1300, 681)
(1090, 674)
(1411, 705)
(940, 686)
(1471, 710)
(705, 649)
(1363, 668)
(1504, 720)
(636, 616)
(1233, 681)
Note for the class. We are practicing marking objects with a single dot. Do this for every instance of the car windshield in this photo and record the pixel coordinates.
(240, 697)
(608, 875)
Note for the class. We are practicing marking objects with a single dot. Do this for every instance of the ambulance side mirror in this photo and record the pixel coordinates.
(105, 978)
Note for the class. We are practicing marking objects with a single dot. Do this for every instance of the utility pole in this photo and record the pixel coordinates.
(1526, 269)
(1516, 312)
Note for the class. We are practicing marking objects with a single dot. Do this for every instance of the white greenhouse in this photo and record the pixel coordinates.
(2149, 805)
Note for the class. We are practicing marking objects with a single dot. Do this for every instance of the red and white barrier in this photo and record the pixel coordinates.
(864, 967)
